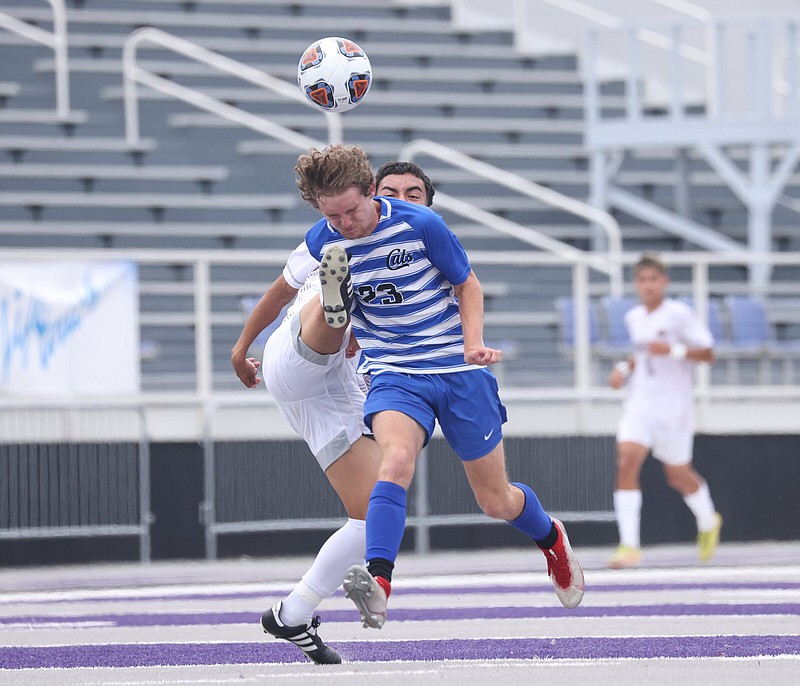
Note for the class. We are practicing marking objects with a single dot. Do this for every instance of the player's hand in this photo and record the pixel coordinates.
(615, 379)
(352, 347)
(482, 355)
(658, 348)
(247, 371)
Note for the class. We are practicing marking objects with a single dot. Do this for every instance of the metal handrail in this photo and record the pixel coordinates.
(133, 74)
(56, 41)
(202, 260)
(609, 264)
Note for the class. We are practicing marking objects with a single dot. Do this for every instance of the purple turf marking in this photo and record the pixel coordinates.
(453, 590)
(157, 654)
(428, 614)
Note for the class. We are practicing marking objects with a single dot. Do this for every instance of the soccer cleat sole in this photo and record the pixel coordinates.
(334, 273)
(358, 587)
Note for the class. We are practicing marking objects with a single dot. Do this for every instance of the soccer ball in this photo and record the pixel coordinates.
(334, 74)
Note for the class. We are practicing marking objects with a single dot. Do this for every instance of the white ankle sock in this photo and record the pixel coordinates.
(299, 605)
(345, 548)
(628, 508)
(702, 507)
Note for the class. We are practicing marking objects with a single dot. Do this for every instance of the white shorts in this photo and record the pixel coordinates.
(670, 440)
(317, 394)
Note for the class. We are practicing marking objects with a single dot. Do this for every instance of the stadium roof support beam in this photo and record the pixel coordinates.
(750, 99)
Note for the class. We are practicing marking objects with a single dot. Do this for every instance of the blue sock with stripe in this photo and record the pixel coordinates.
(533, 521)
(386, 520)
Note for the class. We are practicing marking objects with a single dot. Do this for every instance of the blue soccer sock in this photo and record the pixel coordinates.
(386, 521)
(533, 521)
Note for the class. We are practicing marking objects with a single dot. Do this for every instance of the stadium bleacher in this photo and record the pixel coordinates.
(197, 182)
(193, 185)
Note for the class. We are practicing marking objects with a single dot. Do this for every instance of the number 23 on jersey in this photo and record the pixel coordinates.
(384, 293)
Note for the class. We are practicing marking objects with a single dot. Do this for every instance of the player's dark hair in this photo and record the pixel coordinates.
(332, 171)
(399, 168)
(650, 260)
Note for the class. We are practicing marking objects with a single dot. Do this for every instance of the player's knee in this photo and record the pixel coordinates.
(678, 479)
(397, 468)
(496, 506)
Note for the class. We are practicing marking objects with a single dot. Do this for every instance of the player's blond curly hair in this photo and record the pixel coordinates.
(332, 171)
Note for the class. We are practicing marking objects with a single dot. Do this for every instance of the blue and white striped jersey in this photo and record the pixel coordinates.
(406, 316)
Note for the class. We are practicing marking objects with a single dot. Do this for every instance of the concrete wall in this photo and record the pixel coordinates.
(754, 479)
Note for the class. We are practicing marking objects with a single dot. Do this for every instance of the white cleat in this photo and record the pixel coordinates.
(367, 594)
(564, 569)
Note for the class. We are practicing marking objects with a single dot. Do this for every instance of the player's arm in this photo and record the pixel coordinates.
(623, 369)
(448, 255)
(352, 346)
(470, 307)
(701, 355)
(681, 351)
(266, 311)
(698, 345)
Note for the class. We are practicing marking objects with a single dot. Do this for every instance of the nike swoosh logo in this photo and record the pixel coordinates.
(488, 436)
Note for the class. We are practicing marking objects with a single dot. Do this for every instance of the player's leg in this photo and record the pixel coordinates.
(315, 333)
(673, 448)
(472, 416)
(630, 458)
(319, 397)
(496, 496)
(400, 440)
(683, 478)
(628, 504)
(518, 504)
(401, 422)
(352, 476)
(634, 438)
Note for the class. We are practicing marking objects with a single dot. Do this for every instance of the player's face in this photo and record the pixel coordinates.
(651, 285)
(404, 187)
(352, 214)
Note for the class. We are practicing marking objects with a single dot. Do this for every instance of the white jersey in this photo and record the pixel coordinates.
(299, 265)
(301, 272)
(661, 385)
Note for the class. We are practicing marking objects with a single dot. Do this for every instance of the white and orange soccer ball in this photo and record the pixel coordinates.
(334, 74)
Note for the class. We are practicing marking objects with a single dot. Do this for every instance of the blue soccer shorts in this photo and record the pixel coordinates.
(466, 404)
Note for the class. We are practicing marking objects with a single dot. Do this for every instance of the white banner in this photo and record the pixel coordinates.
(69, 328)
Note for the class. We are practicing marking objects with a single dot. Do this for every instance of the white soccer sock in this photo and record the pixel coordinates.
(628, 508)
(702, 507)
(345, 548)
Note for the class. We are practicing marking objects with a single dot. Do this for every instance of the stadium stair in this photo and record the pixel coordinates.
(194, 182)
